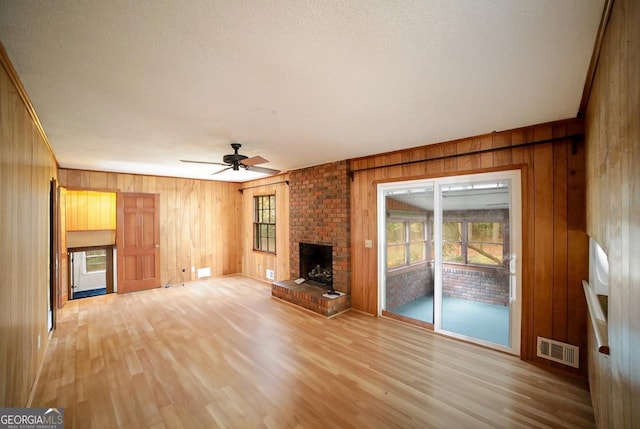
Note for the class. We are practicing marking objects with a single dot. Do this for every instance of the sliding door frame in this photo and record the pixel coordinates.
(515, 245)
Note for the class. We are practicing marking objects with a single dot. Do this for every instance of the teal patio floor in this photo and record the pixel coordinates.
(479, 320)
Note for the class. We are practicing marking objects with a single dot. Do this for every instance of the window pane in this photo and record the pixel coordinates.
(396, 255)
(487, 232)
(452, 231)
(417, 252)
(416, 231)
(272, 244)
(95, 261)
(485, 254)
(452, 252)
(96, 264)
(395, 232)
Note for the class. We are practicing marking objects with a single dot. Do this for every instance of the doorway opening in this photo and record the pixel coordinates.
(448, 255)
(91, 271)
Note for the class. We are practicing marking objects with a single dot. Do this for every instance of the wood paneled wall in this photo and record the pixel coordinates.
(254, 263)
(555, 251)
(90, 210)
(200, 220)
(26, 167)
(612, 126)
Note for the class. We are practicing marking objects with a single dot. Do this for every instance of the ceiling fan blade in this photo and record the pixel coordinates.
(261, 170)
(224, 169)
(203, 162)
(254, 160)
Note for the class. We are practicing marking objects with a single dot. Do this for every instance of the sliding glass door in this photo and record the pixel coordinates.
(409, 252)
(449, 255)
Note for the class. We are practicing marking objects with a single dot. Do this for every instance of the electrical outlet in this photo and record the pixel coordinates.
(204, 272)
(368, 244)
(193, 268)
(270, 274)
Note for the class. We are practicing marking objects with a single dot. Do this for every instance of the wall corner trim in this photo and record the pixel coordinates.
(595, 57)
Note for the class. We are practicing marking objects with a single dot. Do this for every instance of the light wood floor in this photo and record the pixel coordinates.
(223, 353)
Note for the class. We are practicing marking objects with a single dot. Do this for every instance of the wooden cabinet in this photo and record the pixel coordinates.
(90, 210)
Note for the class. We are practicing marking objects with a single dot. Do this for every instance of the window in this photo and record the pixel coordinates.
(95, 261)
(417, 251)
(405, 242)
(264, 223)
(452, 242)
(485, 243)
(477, 243)
(396, 244)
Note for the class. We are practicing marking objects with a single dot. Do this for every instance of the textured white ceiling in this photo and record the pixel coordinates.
(135, 86)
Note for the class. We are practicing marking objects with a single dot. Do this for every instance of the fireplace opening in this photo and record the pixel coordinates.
(316, 263)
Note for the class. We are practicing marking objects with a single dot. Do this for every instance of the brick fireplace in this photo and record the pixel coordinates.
(319, 215)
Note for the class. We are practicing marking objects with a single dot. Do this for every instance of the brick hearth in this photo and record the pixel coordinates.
(309, 295)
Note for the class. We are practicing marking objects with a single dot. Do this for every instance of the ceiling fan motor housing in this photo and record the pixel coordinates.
(234, 158)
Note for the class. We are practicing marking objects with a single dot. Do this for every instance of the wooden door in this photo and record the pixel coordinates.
(64, 284)
(138, 241)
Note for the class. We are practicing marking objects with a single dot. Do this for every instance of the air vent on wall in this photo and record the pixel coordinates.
(558, 352)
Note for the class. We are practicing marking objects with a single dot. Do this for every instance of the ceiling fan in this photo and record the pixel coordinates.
(235, 161)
